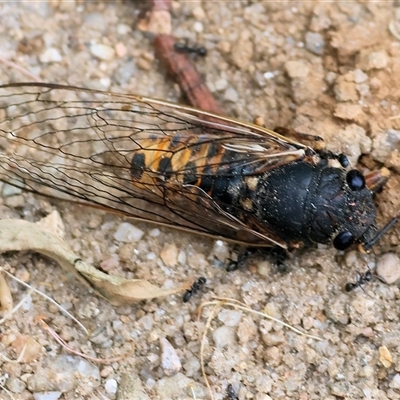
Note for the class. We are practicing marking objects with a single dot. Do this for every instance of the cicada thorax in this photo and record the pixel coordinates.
(307, 203)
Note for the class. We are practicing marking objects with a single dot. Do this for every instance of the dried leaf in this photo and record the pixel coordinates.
(20, 235)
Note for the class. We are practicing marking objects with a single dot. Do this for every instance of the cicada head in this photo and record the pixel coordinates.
(345, 210)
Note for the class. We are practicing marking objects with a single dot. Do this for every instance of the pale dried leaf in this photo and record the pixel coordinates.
(20, 235)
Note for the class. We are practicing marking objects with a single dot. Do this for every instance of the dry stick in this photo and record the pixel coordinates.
(179, 65)
(185, 74)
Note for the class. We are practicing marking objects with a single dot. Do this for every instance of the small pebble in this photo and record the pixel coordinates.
(297, 69)
(315, 43)
(388, 267)
(102, 51)
(269, 75)
(155, 232)
(47, 395)
(374, 60)
(182, 258)
(10, 190)
(385, 357)
(231, 95)
(221, 84)
(123, 29)
(192, 366)
(359, 76)
(50, 55)
(395, 383)
(111, 386)
(221, 250)
(169, 255)
(348, 111)
(120, 50)
(127, 232)
(170, 362)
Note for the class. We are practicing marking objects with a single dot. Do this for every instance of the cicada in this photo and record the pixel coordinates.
(184, 168)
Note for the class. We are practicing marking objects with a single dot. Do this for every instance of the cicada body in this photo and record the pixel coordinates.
(181, 167)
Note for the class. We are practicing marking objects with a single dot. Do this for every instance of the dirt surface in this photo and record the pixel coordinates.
(330, 69)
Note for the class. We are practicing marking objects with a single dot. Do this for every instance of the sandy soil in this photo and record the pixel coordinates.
(330, 69)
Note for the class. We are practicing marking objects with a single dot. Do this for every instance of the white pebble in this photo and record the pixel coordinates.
(155, 232)
(221, 84)
(123, 29)
(47, 395)
(395, 383)
(151, 256)
(111, 386)
(102, 51)
(269, 75)
(360, 76)
(388, 267)
(170, 362)
(182, 258)
(231, 95)
(27, 303)
(50, 55)
(221, 250)
(198, 27)
(127, 232)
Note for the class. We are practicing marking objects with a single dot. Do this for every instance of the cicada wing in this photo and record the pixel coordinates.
(79, 144)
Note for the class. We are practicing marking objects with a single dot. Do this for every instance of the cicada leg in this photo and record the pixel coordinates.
(278, 256)
(375, 180)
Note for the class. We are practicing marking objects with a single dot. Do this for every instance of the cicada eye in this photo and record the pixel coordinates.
(343, 241)
(355, 179)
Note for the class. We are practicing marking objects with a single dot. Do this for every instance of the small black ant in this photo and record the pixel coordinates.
(197, 285)
(185, 47)
(362, 279)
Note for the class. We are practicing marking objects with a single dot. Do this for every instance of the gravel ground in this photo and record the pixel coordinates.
(325, 68)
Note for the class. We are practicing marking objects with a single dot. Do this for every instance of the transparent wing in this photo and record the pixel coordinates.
(78, 144)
